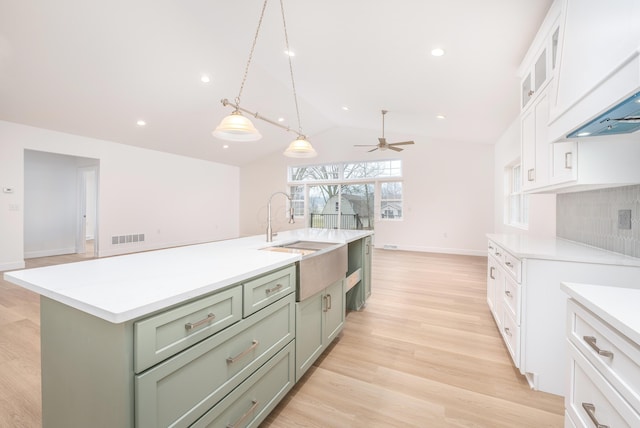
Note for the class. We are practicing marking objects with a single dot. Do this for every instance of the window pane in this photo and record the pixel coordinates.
(391, 200)
(297, 196)
(323, 206)
(357, 202)
(314, 173)
(390, 168)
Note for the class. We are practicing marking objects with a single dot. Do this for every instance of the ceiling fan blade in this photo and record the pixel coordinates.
(382, 140)
(373, 150)
(396, 149)
(402, 143)
(365, 145)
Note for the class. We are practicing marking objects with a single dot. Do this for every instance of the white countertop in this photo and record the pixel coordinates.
(551, 248)
(122, 288)
(617, 306)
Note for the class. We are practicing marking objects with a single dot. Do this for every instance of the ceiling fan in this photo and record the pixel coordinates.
(383, 145)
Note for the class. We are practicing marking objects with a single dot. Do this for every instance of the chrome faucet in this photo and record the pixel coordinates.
(291, 212)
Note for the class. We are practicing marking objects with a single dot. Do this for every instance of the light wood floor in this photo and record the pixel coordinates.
(425, 352)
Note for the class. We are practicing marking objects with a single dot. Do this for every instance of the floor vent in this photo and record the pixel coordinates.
(390, 247)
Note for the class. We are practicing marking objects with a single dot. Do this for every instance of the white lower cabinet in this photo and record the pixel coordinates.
(603, 386)
(319, 320)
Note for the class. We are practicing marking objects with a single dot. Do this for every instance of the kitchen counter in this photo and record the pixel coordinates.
(121, 288)
(551, 248)
(618, 306)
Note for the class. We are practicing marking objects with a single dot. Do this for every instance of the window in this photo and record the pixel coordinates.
(516, 204)
(344, 195)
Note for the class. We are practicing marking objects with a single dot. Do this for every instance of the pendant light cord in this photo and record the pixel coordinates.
(253, 46)
(293, 83)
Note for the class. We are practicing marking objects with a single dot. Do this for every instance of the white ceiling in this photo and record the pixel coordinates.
(94, 68)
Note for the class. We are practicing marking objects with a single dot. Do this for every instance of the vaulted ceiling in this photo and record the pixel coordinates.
(94, 68)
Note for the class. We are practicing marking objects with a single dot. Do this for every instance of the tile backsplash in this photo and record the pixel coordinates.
(591, 217)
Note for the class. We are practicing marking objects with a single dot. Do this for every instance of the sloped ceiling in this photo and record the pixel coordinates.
(94, 68)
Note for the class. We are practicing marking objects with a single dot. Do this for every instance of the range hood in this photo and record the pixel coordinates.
(623, 118)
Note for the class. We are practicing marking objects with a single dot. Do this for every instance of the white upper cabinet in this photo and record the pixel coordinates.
(598, 62)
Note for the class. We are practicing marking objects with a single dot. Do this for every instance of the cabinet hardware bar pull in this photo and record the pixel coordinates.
(329, 301)
(326, 304)
(531, 92)
(276, 288)
(567, 160)
(254, 404)
(191, 325)
(592, 342)
(498, 254)
(508, 293)
(508, 264)
(254, 345)
(490, 247)
(491, 272)
(591, 411)
(508, 331)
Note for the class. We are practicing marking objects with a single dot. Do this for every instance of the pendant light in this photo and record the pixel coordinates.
(237, 127)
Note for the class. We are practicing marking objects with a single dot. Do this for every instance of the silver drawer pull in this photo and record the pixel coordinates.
(191, 325)
(592, 342)
(490, 247)
(498, 254)
(491, 272)
(508, 264)
(507, 293)
(329, 301)
(591, 411)
(254, 345)
(508, 331)
(274, 289)
(254, 405)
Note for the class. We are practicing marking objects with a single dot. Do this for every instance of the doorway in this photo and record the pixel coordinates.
(87, 223)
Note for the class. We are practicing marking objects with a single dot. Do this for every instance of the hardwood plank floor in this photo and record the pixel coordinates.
(425, 352)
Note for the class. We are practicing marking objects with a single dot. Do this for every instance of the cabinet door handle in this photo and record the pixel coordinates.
(568, 157)
(329, 301)
(491, 271)
(498, 254)
(274, 289)
(490, 247)
(507, 293)
(254, 345)
(254, 405)
(508, 264)
(507, 330)
(367, 251)
(531, 174)
(591, 411)
(191, 325)
(592, 342)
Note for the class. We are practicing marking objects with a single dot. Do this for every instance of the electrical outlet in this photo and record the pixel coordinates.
(624, 219)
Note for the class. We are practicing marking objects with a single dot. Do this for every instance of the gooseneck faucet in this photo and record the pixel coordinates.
(291, 212)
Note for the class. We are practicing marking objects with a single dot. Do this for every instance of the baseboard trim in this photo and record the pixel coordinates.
(12, 266)
(47, 253)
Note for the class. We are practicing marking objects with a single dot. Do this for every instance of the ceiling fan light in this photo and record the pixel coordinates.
(300, 148)
(236, 127)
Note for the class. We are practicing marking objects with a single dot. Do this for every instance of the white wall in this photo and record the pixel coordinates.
(448, 190)
(542, 207)
(173, 200)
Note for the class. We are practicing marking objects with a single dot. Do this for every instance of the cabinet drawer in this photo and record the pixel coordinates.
(614, 356)
(591, 397)
(253, 400)
(265, 290)
(163, 335)
(180, 390)
(511, 334)
(512, 265)
(511, 297)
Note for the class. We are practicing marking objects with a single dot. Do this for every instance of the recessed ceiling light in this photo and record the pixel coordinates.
(205, 78)
(290, 53)
(583, 134)
(345, 108)
(141, 123)
(226, 146)
(281, 119)
(441, 116)
(437, 52)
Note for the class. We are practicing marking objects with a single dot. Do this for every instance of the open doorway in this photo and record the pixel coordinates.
(60, 201)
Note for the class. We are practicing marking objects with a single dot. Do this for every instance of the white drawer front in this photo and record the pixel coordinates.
(511, 297)
(592, 400)
(511, 334)
(513, 266)
(613, 355)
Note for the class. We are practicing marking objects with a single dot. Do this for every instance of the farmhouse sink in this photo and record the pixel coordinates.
(322, 264)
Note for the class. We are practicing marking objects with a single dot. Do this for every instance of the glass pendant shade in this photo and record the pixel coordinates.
(236, 127)
(300, 148)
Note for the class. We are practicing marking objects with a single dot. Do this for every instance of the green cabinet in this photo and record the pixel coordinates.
(359, 273)
(319, 319)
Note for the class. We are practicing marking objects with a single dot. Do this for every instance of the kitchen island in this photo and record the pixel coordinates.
(189, 335)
